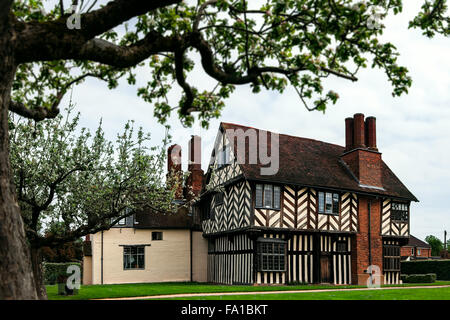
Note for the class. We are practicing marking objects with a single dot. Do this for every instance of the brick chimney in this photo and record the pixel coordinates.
(195, 178)
(174, 168)
(361, 154)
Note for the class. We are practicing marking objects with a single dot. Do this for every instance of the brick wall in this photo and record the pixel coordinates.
(360, 247)
(424, 252)
(365, 165)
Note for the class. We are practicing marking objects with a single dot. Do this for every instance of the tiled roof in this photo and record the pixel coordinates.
(309, 162)
(414, 242)
(148, 219)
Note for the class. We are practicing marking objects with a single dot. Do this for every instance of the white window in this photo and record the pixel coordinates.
(418, 252)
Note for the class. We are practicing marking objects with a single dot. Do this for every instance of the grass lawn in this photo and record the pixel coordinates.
(394, 294)
(149, 289)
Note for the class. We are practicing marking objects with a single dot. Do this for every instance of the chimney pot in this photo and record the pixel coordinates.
(348, 134)
(358, 131)
(371, 133)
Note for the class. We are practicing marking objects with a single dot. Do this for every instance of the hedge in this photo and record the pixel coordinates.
(440, 267)
(58, 271)
(418, 278)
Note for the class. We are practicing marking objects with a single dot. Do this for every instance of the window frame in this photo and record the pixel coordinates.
(263, 196)
(137, 247)
(157, 233)
(395, 213)
(324, 204)
(391, 257)
(340, 244)
(271, 257)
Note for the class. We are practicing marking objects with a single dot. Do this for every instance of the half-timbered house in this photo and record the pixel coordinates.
(326, 215)
(271, 209)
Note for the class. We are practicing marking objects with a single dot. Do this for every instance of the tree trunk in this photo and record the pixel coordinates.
(16, 276)
(36, 264)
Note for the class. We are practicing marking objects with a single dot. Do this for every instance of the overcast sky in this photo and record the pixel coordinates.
(413, 131)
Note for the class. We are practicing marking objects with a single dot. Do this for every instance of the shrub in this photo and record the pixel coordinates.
(440, 267)
(57, 272)
(418, 278)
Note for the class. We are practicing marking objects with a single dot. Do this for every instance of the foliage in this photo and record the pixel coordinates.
(267, 44)
(71, 183)
(53, 271)
(440, 267)
(419, 278)
(436, 245)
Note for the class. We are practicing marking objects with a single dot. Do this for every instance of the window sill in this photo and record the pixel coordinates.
(133, 269)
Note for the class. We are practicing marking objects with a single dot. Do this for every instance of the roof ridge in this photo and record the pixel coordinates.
(281, 134)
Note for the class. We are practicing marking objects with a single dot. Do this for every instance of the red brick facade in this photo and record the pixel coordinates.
(415, 252)
(363, 254)
(365, 165)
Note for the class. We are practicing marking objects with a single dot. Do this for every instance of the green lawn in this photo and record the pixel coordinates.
(397, 294)
(149, 289)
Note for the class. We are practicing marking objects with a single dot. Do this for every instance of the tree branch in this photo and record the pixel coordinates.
(39, 113)
(179, 71)
(41, 41)
(105, 52)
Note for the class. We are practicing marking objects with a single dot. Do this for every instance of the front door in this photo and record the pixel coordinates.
(325, 269)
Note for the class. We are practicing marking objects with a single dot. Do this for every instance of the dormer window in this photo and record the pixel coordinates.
(328, 203)
(267, 196)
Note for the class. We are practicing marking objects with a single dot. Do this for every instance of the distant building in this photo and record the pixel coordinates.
(415, 249)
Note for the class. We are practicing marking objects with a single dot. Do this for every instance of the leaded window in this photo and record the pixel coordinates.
(328, 203)
(268, 196)
(341, 246)
(271, 255)
(133, 257)
(259, 195)
(391, 258)
(399, 211)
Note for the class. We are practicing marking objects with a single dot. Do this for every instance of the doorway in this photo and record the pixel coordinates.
(325, 269)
